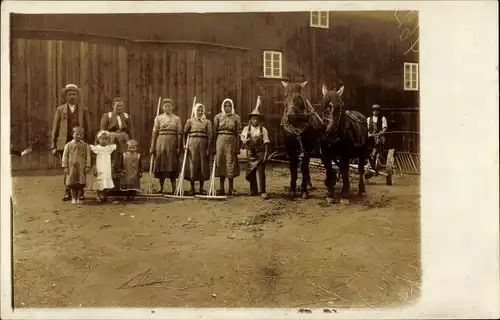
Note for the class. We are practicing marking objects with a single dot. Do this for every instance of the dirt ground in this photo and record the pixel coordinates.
(242, 252)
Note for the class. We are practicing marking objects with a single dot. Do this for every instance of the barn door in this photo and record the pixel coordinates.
(272, 107)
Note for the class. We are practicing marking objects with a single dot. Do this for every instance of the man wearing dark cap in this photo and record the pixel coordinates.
(68, 116)
(377, 126)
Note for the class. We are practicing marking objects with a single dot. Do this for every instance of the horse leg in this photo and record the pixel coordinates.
(293, 166)
(361, 171)
(306, 177)
(331, 176)
(344, 169)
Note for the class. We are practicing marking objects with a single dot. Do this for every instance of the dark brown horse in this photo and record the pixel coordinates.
(299, 127)
(345, 138)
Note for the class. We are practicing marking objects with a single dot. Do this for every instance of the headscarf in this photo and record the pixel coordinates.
(195, 111)
(232, 107)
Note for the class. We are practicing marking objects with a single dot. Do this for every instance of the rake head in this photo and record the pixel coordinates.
(149, 195)
(207, 197)
(176, 196)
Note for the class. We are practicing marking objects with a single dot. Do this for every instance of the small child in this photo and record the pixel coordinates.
(76, 161)
(102, 168)
(256, 140)
(132, 170)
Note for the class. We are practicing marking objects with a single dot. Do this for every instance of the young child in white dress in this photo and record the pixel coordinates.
(102, 168)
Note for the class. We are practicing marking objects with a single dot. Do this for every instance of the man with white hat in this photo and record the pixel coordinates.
(255, 139)
(69, 115)
(376, 130)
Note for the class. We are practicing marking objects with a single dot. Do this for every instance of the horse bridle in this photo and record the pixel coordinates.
(341, 110)
(284, 121)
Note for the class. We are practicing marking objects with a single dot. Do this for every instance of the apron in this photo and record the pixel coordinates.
(255, 152)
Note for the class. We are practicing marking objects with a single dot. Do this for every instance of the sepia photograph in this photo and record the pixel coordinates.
(216, 159)
(256, 159)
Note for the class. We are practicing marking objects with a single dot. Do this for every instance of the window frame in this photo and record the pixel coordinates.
(272, 53)
(413, 70)
(318, 24)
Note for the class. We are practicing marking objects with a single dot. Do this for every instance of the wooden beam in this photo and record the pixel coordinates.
(77, 36)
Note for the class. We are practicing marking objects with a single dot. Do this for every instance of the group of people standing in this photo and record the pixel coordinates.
(117, 165)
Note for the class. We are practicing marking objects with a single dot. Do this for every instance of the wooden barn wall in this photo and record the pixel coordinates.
(364, 51)
(137, 73)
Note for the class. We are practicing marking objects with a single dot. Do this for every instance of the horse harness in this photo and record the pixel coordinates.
(302, 117)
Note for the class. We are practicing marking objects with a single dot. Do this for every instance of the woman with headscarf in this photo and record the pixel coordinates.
(120, 127)
(166, 144)
(199, 130)
(227, 128)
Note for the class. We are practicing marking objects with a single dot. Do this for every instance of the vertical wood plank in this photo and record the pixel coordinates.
(51, 96)
(84, 77)
(133, 78)
(109, 83)
(164, 74)
(29, 121)
(172, 78)
(199, 88)
(191, 79)
(22, 107)
(42, 126)
(181, 85)
(123, 72)
(158, 81)
(96, 83)
(101, 85)
(60, 71)
(138, 76)
(217, 82)
(207, 88)
(238, 82)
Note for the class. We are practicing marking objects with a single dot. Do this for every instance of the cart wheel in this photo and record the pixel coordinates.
(389, 167)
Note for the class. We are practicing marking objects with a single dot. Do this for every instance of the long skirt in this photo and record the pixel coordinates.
(167, 159)
(197, 164)
(226, 163)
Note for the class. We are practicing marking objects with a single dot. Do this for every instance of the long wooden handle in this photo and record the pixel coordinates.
(211, 190)
(181, 175)
(150, 185)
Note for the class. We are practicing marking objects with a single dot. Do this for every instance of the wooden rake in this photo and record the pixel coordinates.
(212, 194)
(179, 190)
(149, 191)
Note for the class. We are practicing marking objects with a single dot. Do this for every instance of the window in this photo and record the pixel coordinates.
(319, 19)
(411, 76)
(273, 64)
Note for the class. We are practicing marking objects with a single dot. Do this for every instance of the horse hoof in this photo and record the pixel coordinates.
(344, 201)
(305, 195)
(329, 200)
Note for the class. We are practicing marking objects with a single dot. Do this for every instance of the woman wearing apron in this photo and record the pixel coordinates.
(120, 127)
(199, 129)
(166, 144)
(227, 128)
